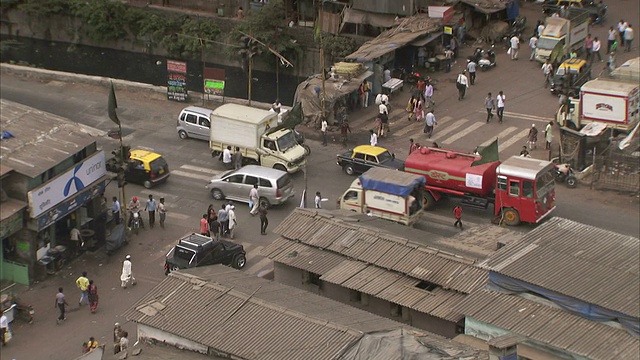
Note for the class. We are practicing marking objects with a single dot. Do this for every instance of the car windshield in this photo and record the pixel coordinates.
(546, 43)
(563, 70)
(384, 157)
(286, 141)
(184, 253)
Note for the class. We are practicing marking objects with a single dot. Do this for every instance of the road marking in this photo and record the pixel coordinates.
(206, 178)
(416, 126)
(518, 116)
(438, 134)
(501, 135)
(515, 138)
(201, 169)
(463, 133)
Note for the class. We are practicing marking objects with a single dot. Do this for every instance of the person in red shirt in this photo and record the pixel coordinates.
(204, 226)
(458, 213)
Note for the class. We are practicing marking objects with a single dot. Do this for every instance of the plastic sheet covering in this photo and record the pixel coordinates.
(401, 344)
(116, 239)
(391, 181)
(505, 284)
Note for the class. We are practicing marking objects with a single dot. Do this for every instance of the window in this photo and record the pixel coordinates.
(351, 195)
(425, 285)
(514, 188)
(271, 145)
(182, 116)
(527, 189)
(358, 156)
(385, 156)
(236, 178)
(264, 183)
(250, 180)
(502, 183)
(283, 181)
(204, 122)
(371, 158)
(191, 118)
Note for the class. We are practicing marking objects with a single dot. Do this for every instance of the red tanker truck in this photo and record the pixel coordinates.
(521, 189)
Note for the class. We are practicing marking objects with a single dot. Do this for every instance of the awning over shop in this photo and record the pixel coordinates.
(425, 40)
(407, 30)
(334, 89)
(363, 17)
(11, 216)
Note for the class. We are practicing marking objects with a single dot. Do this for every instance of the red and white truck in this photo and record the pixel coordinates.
(614, 103)
(521, 189)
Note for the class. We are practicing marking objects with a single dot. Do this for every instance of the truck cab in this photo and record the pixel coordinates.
(385, 193)
(281, 151)
(525, 190)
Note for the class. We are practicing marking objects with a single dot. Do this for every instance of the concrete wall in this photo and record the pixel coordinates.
(294, 277)
(147, 332)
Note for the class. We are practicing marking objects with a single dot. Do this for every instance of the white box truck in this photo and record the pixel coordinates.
(562, 35)
(389, 194)
(255, 132)
(610, 102)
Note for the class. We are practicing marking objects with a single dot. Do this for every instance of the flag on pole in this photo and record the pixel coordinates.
(303, 203)
(113, 104)
(488, 154)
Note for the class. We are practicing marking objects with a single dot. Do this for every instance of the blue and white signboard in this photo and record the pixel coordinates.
(66, 185)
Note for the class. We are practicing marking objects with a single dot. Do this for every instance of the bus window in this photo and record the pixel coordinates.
(527, 189)
(502, 183)
(514, 188)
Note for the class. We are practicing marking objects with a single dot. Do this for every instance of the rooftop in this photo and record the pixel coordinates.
(580, 261)
(40, 140)
(252, 318)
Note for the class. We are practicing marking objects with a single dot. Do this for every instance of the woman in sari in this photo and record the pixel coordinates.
(93, 296)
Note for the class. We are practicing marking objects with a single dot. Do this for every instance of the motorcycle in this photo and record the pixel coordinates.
(300, 140)
(411, 76)
(485, 59)
(564, 173)
(136, 222)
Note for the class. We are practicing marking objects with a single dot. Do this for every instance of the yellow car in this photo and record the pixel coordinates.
(146, 168)
(570, 76)
(364, 157)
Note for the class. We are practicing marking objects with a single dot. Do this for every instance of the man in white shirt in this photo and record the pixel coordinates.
(471, 67)
(622, 26)
(386, 75)
(233, 221)
(611, 38)
(628, 38)
(547, 70)
(533, 43)
(515, 45)
(429, 123)
(595, 49)
(540, 28)
(383, 115)
(462, 84)
(373, 138)
(4, 328)
(500, 102)
(323, 129)
(226, 158)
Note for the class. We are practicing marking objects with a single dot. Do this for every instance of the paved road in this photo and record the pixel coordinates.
(150, 122)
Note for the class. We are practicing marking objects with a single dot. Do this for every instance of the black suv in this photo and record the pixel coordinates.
(196, 250)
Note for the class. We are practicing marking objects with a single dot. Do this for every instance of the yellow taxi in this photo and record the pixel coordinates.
(570, 76)
(364, 157)
(146, 168)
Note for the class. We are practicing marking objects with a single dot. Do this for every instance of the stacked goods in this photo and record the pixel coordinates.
(348, 70)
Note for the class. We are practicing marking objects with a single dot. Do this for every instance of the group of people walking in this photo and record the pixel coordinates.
(222, 222)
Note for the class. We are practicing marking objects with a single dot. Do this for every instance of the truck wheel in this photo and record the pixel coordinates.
(215, 154)
(183, 135)
(280, 167)
(265, 203)
(511, 216)
(428, 202)
(217, 194)
(307, 149)
(174, 268)
(239, 261)
(348, 169)
(571, 182)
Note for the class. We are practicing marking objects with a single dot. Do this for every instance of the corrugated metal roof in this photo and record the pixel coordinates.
(591, 264)
(368, 245)
(549, 325)
(251, 318)
(301, 256)
(40, 139)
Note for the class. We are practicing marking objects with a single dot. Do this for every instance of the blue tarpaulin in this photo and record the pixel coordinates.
(391, 181)
(5, 135)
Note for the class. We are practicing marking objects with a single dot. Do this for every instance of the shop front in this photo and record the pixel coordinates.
(74, 199)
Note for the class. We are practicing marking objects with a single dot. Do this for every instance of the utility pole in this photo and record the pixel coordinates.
(322, 65)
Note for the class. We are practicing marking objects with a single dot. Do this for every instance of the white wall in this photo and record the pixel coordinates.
(145, 332)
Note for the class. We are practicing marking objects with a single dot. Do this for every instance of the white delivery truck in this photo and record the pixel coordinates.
(255, 132)
(610, 102)
(389, 194)
(562, 35)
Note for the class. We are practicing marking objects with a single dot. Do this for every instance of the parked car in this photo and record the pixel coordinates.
(194, 122)
(142, 167)
(274, 186)
(364, 157)
(196, 250)
(595, 8)
(579, 71)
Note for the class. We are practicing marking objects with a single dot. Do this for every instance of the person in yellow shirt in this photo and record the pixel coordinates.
(92, 344)
(83, 284)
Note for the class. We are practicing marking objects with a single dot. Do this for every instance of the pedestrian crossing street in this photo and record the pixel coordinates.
(456, 133)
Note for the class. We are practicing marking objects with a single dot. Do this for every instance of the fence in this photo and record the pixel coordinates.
(616, 170)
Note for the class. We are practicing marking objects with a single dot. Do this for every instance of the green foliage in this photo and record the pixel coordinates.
(105, 20)
(39, 8)
(338, 47)
(8, 4)
(196, 35)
